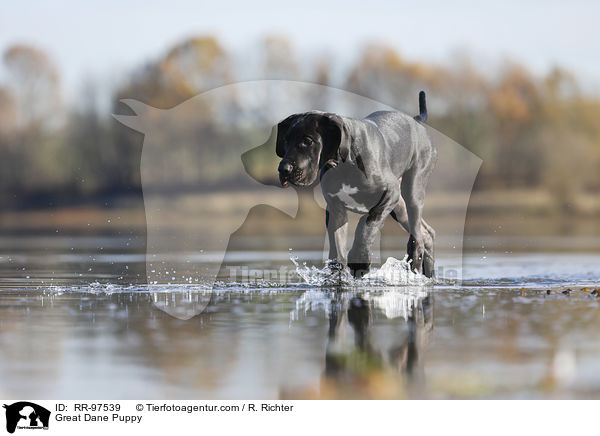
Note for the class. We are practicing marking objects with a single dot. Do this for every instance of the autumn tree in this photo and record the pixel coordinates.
(34, 82)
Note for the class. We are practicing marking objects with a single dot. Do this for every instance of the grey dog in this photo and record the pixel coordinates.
(376, 166)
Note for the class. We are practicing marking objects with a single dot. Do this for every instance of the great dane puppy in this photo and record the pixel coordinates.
(376, 166)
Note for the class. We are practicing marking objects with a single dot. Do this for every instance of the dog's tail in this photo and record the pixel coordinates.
(422, 117)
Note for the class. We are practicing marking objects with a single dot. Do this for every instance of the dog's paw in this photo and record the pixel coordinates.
(415, 250)
(359, 269)
(338, 270)
(335, 266)
(428, 265)
(358, 262)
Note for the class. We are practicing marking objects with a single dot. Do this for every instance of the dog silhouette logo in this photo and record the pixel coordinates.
(222, 144)
(26, 415)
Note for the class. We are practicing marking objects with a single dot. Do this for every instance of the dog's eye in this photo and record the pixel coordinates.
(307, 141)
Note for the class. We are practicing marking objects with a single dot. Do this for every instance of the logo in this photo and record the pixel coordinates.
(26, 415)
(229, 134)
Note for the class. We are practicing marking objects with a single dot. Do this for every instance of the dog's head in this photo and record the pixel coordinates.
(308, 141)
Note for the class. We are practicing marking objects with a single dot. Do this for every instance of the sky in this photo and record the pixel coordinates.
(110, 38)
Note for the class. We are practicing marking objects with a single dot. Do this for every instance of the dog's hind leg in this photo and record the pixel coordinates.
(429, 256)
(400, 215)
(413, 186)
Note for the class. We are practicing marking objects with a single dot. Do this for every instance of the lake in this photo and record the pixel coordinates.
(77, 320)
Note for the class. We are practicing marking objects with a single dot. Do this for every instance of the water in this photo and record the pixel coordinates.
(77, 321)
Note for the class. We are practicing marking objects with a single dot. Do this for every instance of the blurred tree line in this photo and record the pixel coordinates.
(532, 132)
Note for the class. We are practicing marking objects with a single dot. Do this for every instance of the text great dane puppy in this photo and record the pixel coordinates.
(377, 166)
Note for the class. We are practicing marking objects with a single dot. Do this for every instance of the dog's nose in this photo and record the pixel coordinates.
(285, 168)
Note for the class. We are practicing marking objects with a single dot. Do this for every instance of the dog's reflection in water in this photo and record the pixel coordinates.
(375, 342)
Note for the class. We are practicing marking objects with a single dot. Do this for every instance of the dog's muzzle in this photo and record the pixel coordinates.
(285, 171)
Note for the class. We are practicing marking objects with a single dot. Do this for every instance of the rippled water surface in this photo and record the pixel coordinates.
(77, 322)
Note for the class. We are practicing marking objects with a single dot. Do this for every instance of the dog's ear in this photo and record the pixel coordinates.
(282, 129)
(336, 144)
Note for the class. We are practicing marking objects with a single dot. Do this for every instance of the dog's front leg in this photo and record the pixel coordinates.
(359, 257)
(336, 220)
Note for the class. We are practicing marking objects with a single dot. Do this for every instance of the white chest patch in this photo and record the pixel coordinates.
(345, 194)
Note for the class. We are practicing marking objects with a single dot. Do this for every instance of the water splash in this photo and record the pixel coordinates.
(393, 272)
